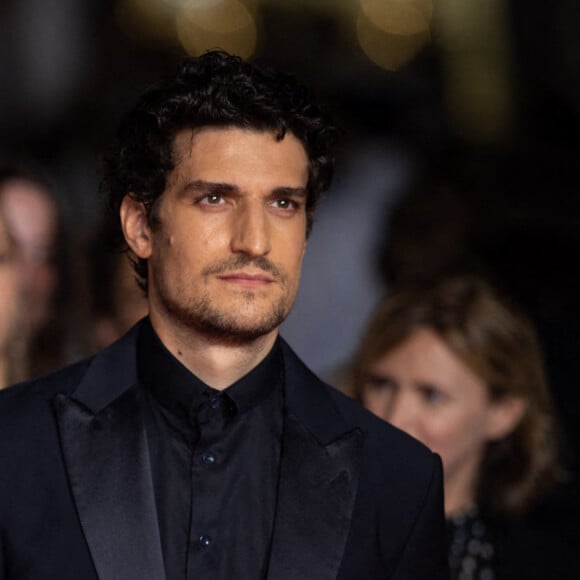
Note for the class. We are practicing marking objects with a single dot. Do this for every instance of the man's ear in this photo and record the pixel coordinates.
(136, 227)
(504, 416)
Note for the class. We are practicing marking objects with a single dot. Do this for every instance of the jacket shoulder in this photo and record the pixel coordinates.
(329, 412)
(377, 431)
(390, 458)
(25, 400)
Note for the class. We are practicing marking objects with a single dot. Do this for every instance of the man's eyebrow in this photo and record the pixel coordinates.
(209, 187)
(290, 191)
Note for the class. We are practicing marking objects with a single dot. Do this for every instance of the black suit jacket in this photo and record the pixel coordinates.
(357, 499)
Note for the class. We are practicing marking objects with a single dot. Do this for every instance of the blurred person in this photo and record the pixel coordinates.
(117, 301)
(10, 309)
(459, 368)
(29, 203)
(199, 445)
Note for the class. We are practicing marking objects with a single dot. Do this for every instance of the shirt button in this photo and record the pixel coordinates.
(208, 458)
(214, 402)
(204, 541)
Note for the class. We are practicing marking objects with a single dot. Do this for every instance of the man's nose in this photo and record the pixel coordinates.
(251, 231)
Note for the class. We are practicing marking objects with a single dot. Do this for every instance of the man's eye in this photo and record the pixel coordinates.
(285, 203)
(212, 199)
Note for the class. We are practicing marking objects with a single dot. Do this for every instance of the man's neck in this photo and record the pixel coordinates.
(218, 363)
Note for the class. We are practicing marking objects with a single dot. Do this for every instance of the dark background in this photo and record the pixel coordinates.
(484, 99)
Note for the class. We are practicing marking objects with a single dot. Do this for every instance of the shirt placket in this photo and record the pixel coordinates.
(208, 456)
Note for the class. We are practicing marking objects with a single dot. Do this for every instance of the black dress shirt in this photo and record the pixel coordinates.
(215, 459)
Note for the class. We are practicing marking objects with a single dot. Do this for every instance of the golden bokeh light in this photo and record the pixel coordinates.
(391, 33)
(399, 17)
(226, 24)
(474, 40)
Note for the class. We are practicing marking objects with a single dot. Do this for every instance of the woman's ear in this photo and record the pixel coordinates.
(504, 416)
(136, 227)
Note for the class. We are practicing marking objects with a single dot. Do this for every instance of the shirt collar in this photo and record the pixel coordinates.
(182, 393)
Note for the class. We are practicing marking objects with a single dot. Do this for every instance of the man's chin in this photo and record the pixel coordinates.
(239, 327)
(236, 333)
(233, 322)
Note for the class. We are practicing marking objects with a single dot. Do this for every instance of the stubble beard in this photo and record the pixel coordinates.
(223, 326)
(219, 325)
(224, 323)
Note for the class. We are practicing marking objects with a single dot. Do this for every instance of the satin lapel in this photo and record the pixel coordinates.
(315, 501)
(107, 461)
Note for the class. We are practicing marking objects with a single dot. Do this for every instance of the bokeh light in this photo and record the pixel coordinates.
(392, 32)
(206, 24)
(400, 17)
(473, 37)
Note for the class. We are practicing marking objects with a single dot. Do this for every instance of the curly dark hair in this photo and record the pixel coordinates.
(217, 90)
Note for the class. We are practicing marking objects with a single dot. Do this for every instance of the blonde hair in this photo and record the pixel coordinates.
(498, 343)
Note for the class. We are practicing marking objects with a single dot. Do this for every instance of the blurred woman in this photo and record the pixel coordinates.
(10, 368)
(51, 324)
(461, 370)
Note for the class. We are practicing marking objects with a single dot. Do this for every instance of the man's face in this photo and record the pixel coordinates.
(226, 246)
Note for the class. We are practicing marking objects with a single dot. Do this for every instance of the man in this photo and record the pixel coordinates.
(199, 445)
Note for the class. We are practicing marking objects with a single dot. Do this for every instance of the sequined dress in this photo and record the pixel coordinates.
(471, 547)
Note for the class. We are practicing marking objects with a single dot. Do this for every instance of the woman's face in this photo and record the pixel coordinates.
(9, 294)
(33, 220)
(423, 388)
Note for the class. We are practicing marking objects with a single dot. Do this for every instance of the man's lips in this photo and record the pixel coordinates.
(247, 278)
